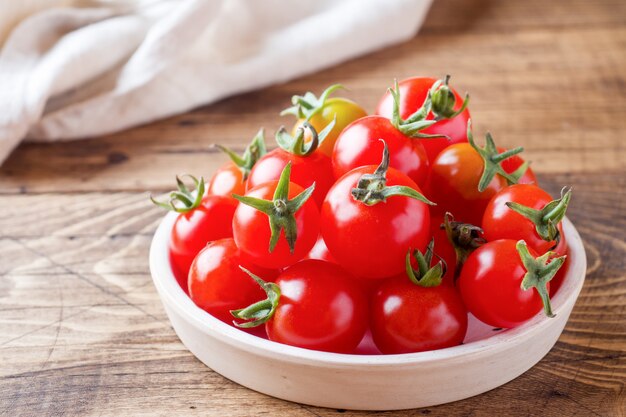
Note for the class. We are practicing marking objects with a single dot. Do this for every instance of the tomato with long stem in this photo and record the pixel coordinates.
(218, 285)
(529, 213)
(464, 177)
(201, 219)
(371, 217)
(503, 283)
(293, 225)
(313, 305)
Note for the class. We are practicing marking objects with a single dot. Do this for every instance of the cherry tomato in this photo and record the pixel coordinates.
(227, 180)
(453, 183)
(406, 317)
(191, 232)
(359, 145)
(413, 92)
(346, 112)
(502, 222)
(320, 307)
(306, 170)
(370, 235)
(253, 232)
(217, 284)
(491, 284)
(231, 177)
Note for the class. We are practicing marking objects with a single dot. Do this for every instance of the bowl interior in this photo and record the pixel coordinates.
(479, 335)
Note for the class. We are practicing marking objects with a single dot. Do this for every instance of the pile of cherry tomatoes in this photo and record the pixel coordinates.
(396, 223)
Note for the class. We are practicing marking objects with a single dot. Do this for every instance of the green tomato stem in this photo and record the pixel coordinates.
(280, 210)
(372, 188)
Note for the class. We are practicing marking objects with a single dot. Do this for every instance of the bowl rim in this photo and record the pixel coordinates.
(173, 296)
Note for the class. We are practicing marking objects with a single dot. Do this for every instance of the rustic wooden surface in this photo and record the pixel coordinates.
(82, 331)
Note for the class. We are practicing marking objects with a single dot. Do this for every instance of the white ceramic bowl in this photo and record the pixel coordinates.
(366, 382)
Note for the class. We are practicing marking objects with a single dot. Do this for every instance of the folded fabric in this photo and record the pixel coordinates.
(90, 67)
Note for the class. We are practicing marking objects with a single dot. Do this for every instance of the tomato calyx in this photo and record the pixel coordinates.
(183, 200)
(372, 188)
(539, 271)
(465, 238)
(547, 219)
(261, 311)
(493, 160)
(280, 209)
(415, 123)
(297, 145)
(305, 107)
(444, 99)
(425, 276)
(253, 152)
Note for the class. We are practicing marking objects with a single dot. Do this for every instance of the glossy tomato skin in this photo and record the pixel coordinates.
(191, 231)
(490, 285)
(227, 180)
(453, 183)
(320, 251)
(346, 111)
(305, 170)
(251, 230)
(405, 317)
(359, 145)
(372, 241)
(413, 92)
(514, 162)
(500, 222)
(217, 284)
(320, 308)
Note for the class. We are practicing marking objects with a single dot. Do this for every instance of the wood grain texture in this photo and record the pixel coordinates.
(83, 333)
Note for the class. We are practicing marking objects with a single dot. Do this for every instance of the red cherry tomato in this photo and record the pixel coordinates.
(217, 284)
(453, 183)
(191, 232)
(513, 163)
(227, 180)
(502, 222)
(306, 170)
(413, 92)
(320, 307)
(252, 233)
(406, 317)
(358, 145)
(490, 284)
(371, 241)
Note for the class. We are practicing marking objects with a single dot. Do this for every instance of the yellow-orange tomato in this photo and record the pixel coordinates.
(346, 111)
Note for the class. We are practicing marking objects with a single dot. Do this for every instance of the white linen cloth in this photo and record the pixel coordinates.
(77, 68)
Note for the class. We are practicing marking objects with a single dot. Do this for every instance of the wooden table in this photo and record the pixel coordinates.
(82, 331)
